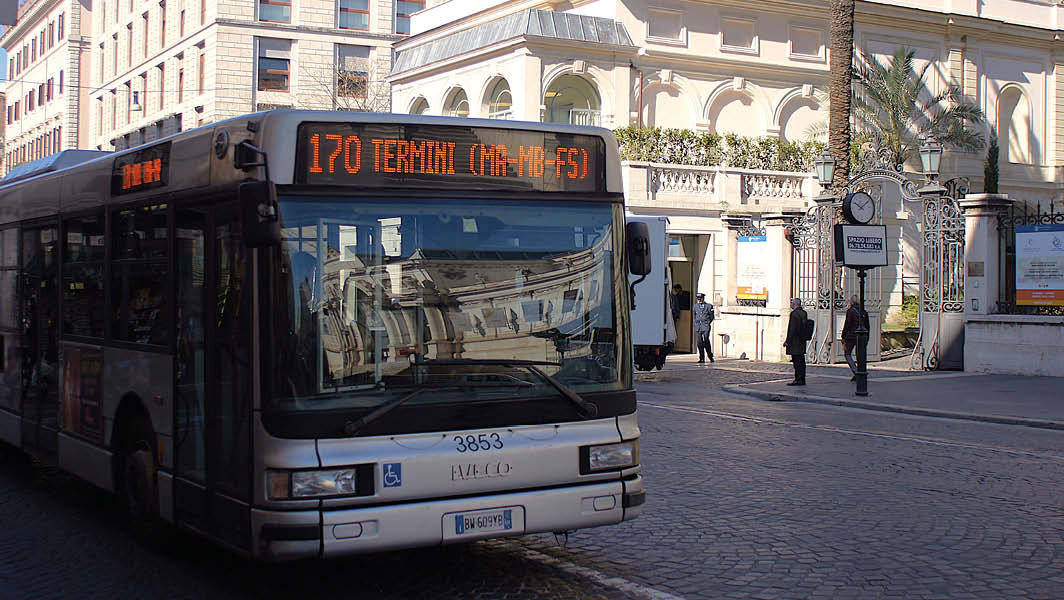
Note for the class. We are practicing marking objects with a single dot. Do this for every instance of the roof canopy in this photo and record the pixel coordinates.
(529, 22)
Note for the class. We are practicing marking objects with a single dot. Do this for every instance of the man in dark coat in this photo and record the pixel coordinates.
(795, 343)
(674, 302)
(849, 334)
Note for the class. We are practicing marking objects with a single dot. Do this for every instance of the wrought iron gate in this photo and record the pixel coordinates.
(825, 287)
(941, 341)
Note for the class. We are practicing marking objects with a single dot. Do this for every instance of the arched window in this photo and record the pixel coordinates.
(572, 99)
(458, 106)
(1014, 126)
(500, 101)
(420, 107)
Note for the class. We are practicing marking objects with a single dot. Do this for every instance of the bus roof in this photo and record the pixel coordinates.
(203, 158)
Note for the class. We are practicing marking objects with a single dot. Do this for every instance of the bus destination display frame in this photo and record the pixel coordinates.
(145, 169)
(381, 155)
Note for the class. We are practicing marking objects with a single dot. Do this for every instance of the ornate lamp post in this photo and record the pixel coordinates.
(930, 157)
(825, 171)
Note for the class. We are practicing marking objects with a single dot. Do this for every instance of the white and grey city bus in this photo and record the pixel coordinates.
(312, 334)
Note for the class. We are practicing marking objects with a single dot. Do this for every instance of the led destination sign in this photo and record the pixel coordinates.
(478, 158)
(141, 170)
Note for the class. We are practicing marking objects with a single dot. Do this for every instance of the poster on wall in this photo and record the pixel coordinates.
(751, 281)
(1040, 265)
(81, 391)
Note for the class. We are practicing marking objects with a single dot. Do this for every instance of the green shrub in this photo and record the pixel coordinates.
(686, 147)
(910, 310)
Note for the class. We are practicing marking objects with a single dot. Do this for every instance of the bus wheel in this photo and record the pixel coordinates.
(139, 493)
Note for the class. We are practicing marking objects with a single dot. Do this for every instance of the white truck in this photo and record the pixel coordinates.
(653, 329)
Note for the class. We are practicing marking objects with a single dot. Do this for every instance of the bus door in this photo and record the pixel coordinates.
(39, 328)
(213, 375)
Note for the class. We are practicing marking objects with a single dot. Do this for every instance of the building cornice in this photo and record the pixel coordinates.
(288, 30)
(937, 23)
(713, 64)
(26, 21)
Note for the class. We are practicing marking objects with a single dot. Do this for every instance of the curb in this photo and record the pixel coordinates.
(740, 388)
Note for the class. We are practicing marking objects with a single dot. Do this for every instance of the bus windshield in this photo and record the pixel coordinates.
(372, 299)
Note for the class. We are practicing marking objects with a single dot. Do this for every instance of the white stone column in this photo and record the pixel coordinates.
(982, 251)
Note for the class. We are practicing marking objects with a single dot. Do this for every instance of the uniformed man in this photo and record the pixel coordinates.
(703, 318)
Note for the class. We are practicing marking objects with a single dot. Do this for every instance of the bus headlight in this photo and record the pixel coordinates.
(609, 457)
(288, 485)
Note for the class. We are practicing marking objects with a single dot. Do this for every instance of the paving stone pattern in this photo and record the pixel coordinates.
(738, 507)
(755, 509)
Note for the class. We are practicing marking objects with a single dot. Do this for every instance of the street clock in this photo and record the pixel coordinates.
(859, 208)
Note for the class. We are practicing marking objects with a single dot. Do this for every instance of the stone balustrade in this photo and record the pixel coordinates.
(715, 189)
(773, 188)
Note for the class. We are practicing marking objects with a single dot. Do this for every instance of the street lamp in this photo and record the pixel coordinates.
(825, 169)
(930, 156)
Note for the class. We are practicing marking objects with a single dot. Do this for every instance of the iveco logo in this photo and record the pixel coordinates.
(480, 471)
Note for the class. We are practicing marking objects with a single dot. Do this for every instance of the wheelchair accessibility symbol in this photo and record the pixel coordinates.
(393, 475)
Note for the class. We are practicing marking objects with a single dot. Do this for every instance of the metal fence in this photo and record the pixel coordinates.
(1020, 216)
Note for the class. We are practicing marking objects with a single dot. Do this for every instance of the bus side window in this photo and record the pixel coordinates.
(139, 276)
(9, 373)
(83, 261)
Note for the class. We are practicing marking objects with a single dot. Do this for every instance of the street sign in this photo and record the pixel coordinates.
(861, 246)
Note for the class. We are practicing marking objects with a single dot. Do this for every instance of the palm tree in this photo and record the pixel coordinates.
(841, 70)
(894, 108)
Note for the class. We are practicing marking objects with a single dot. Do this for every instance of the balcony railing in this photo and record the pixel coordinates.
(715, 189)
(583, 116)
(772, 188)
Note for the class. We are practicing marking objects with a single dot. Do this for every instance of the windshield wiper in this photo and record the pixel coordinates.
(587, 410)
(353, 427)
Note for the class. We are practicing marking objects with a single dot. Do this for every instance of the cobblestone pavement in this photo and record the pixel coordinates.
(746, 499)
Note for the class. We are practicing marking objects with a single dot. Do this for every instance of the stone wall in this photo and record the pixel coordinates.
(1014, 345)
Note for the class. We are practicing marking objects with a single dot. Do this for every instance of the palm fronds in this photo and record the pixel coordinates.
(894, 107)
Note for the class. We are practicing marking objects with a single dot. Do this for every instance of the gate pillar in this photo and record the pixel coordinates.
(982, 250)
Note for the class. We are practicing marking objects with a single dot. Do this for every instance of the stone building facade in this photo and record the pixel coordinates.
(752, 68)
(47, 51)
(160, 67)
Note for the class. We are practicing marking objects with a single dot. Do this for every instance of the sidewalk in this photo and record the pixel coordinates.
(1008, 399)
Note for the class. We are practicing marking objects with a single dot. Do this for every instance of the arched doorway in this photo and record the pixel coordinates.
(574, 100)
(420, 106)
(458, 104)
(500, 100)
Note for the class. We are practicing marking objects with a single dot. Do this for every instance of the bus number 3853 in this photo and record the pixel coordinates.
(477, 443)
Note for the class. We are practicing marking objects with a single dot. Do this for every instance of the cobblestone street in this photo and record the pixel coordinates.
(746, 499)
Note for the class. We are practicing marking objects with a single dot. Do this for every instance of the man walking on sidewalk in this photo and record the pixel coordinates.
(703, 316)
(795, 342)
(849, 333)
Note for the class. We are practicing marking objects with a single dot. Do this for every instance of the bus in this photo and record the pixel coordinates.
(314, 333)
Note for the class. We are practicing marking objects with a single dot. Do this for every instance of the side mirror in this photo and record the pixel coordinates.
(637, 241)
(259, 218)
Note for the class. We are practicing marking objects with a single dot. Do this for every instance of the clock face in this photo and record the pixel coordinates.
(860, 207)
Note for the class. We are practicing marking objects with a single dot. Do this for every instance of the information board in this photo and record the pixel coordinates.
(1040, 265)
(861, 246)
(751, 282)
(371, 155)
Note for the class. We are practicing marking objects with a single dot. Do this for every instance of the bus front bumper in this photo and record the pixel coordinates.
(282, 535)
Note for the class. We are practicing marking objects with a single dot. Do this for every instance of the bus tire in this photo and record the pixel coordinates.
(137, 479)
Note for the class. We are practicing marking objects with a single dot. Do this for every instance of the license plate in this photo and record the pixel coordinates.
(476, 523)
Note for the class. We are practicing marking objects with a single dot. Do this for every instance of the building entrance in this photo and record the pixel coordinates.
(682, 251)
